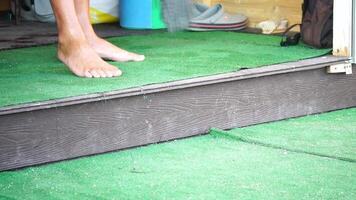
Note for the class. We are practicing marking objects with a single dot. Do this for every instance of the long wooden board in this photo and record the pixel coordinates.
(69, 128)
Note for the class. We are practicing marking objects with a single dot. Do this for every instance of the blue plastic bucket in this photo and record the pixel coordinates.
(141, 14)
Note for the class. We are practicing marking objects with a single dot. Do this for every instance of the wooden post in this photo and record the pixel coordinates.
(342, 28)
(353, 33)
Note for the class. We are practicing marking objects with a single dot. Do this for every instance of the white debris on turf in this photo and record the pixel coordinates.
(273, 26)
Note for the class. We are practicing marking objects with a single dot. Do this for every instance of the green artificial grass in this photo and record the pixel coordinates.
(214, 166)
(331, 134)
(34, 74)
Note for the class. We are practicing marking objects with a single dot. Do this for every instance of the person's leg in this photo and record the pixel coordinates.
(105, 49)
(73, 48)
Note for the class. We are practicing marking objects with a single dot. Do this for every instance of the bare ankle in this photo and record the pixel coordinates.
(92, 39)
(68, 44)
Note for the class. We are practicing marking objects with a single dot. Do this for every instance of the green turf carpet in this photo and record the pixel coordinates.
(331, 134)
(34, 74)
(214, 166)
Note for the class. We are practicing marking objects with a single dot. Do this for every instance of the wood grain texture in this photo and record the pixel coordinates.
(261, 10)
(47, 135)
(28, 34)
(342, 39)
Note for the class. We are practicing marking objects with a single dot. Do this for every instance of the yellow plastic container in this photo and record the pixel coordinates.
(104, 11)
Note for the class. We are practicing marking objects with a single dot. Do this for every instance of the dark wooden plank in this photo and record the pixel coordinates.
(29, 34)
(59, 133)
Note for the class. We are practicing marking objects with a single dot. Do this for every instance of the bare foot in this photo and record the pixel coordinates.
(83, 61)
(106, 50)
